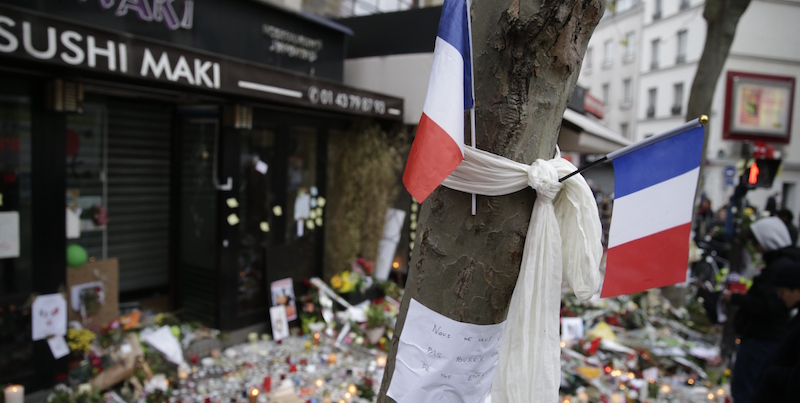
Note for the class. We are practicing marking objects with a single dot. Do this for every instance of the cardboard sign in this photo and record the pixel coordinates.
(105, 272)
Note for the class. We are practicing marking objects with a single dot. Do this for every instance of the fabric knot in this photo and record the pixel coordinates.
(543, 178)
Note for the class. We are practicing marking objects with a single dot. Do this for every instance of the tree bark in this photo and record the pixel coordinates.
(527, 58)
(722, 17)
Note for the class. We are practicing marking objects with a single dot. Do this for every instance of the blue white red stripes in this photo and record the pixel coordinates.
(439, 143)
(654, 188)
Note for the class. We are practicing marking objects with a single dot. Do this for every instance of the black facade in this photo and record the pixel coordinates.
(202, 128)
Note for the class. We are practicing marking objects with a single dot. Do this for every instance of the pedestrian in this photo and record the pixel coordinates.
(762, 317)
(787, 217)
(780, 381)
(772, 204)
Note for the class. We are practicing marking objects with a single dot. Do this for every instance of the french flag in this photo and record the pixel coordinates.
(654, 189)
(438, 147)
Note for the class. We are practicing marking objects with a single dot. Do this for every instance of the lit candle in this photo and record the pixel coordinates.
(253, 395)
(616, 398)
(352, 389)
(381, 360)
(15, 394)
(316, 338)
(332, 359)
(183, 373)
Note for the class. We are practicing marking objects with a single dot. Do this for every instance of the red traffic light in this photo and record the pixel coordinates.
(753, 177)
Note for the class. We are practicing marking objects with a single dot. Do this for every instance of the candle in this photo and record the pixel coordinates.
(267, 384)
(352, 389)
(183, 373)
(332, 359)
(15, 394)
(381, 360)
(616, 398)
(253, 395)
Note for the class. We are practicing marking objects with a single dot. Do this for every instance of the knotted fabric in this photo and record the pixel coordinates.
(563, 241)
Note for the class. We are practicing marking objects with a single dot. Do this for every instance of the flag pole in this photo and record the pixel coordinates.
(702, 120)
(472, 81)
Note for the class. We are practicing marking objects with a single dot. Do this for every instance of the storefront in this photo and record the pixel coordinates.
(201, 131)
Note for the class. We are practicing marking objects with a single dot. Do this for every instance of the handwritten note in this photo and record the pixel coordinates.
(442, 360)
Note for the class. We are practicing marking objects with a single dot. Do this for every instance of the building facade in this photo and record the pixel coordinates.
(672, 37)
(203, 129)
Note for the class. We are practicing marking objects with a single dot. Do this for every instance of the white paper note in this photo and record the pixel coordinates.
(442, 360)
(58, 346)
(73, 224)
(280, 325)
(571, 329)
(9, 234)
(261, 167)
(49, 316)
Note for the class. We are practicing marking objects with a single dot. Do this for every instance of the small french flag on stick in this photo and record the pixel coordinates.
(654, 190)
(439, 143)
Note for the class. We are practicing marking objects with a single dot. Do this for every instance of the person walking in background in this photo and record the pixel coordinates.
(787, 217)
(780, 381)
(762, 317)
(772, 204)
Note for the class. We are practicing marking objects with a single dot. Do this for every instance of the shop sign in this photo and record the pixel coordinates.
(153, 10)
(292, 44)
(33, 37)
(758, 107)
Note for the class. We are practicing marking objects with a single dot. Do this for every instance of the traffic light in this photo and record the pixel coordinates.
(761, 173)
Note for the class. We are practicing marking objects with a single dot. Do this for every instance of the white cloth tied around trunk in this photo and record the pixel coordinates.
(563, 240)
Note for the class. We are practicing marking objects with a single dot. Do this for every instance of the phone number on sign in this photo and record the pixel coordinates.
(346, 101)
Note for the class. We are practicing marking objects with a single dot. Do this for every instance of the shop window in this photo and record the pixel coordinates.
(15, 235)
(301, 183)
(86, 185)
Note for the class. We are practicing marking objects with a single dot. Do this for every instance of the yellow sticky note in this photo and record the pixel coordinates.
(321, 201)
(319, 211)
(232, 202)
(264, 226)
(318, 221)
(413, 225)
(233, 219)
(312, 214)
(277, 210)
(590, 372)
(310, 224)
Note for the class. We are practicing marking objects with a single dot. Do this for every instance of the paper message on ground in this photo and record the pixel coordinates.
(442, 360)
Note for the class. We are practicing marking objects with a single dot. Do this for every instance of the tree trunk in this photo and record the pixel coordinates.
(527, 58)
(722, 17)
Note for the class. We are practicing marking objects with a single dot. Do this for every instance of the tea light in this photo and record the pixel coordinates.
(381, 360)
(352, 389)
(319, 382)
(14, 394)
(183, 373)
(316, 338)
(253, 395)
(332, 359)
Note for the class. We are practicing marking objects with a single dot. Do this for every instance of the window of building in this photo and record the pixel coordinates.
(654, 54)
(587, 61)
(682, 39)
(623, 128)
(605, 93)
(652, 95)
(657, 11)
(630, 46)
(677, 103)
(607, 57)
(627, 92)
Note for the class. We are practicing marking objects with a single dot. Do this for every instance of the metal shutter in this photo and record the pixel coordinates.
(139, 149)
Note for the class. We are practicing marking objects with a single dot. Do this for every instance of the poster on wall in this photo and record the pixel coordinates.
(9, 234)
(282, 292)
(49, 316)
(758, 107)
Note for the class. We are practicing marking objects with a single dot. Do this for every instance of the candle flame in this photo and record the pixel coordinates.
(254, 392)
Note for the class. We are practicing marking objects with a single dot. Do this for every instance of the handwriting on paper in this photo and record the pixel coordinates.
(443, 360)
